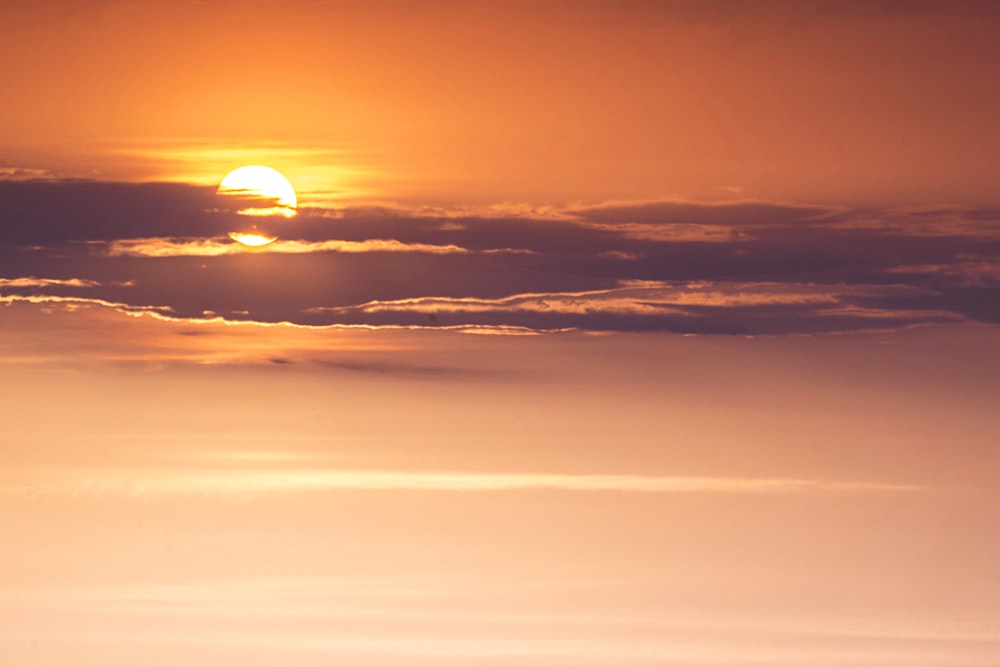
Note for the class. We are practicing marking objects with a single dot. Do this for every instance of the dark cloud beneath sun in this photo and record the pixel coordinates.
(687, 267)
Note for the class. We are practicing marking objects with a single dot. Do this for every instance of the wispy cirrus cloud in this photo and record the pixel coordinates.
(673, 232)
(651, 305)
(214, 247)
(25, 174)
(633, 297)
(31, 281)
(212, 481)
(970, 270)
(71, 303)
(684, 212)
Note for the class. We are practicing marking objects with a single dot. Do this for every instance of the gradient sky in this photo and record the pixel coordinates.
(606, 333)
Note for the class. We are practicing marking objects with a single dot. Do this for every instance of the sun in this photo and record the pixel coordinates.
(263, 193)
(263, 190)
(251, 239)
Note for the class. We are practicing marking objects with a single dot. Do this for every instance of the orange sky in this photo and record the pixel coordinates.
(553, 101)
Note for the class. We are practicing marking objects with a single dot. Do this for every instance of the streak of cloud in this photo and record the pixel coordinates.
(214, 247)
(158, 482)
(686, 308)
(47, 282)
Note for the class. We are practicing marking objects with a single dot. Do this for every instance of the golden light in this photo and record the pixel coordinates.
(251, 184)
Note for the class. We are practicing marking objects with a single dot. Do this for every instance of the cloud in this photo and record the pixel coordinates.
(766, 267)
(695, 213)
(54, 212)
(683, 308)
(76, 331)
(213, 247)
(967, 270)
(673, 232)
(73, 303)
(24, 174)
(212, 481)
(47, 282)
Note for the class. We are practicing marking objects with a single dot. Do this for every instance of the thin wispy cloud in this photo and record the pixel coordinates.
(214, 247)
(690, 307)
(25, 174)
(636, 299)
(72, 303)
(972, 270)
(440, 599)
(159, 481)
(673, 232)
(47, 282)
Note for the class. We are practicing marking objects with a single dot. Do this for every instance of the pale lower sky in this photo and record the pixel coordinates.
(453, 499)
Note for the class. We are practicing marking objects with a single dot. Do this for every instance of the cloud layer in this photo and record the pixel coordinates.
(738, 267)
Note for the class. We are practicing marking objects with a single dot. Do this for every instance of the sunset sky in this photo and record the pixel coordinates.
(603, 334)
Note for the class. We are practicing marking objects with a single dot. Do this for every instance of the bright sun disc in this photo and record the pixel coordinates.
(251, 183)
(252, 240)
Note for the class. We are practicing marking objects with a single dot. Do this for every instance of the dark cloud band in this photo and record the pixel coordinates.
(739, 267)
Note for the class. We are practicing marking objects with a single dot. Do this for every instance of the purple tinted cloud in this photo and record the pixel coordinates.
(739, 267)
